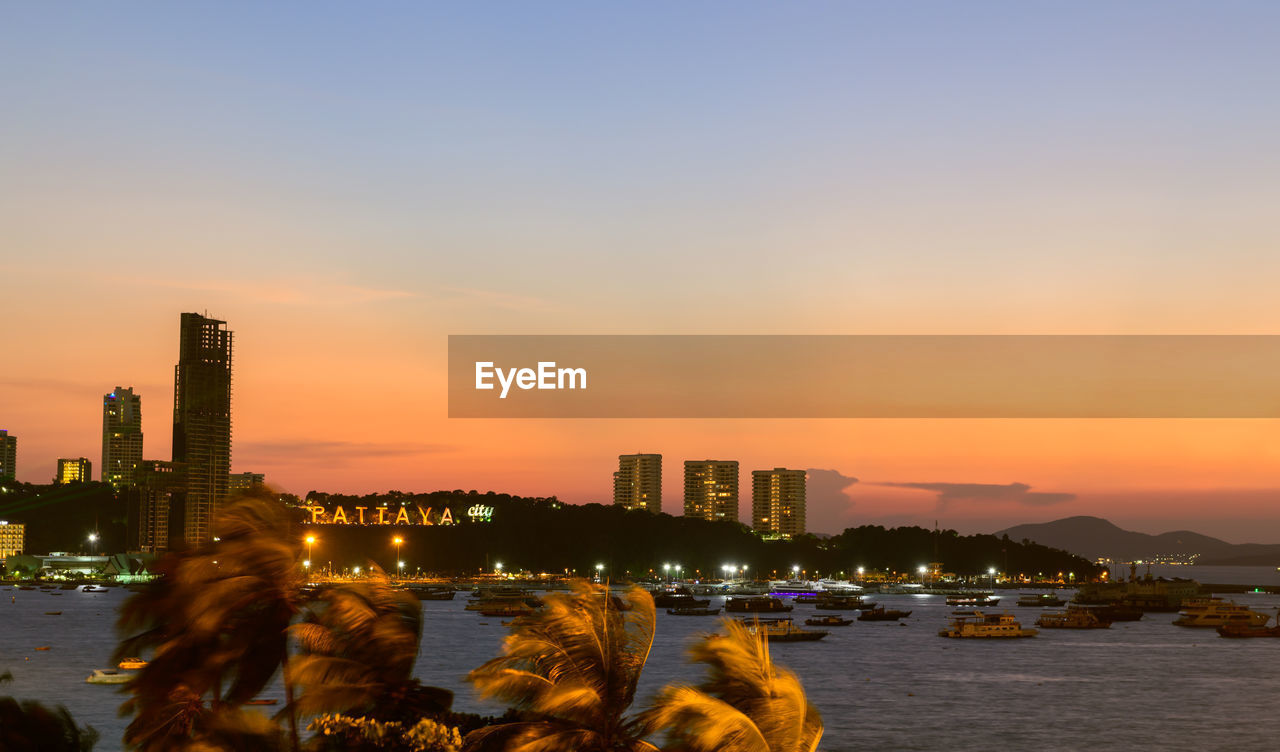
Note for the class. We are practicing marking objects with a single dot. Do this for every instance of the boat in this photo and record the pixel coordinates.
(972, 601)
(782, 630)
(693, 611)
(107, 676)
(880, 613)
(809, 598)
(1215, 612)
(979, 625)
(839, 603)
(53, 613)
(131, 664)
(1036, 600)
(1075, 617)
(506, 609)
(262, 702)
(43, 647)
(433, 593)
(680, 597)
(756, 604)
(1116, 612)
(830, 620)
(1244, 630)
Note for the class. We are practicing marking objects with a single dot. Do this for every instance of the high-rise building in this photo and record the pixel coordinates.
(240, 482)
(8, 455)
(121, 436)
(80, 469)
(777, 502)
(202, 420)
(12, 538)
(638, 482)
(156, 505)
(711, 489)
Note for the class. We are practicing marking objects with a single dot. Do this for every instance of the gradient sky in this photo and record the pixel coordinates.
(347, 186)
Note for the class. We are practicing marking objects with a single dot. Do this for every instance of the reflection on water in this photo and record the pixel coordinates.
(1138, 685)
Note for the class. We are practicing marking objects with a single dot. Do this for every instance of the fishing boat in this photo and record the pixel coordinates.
(1215, 612)
(131, 664)
(1075, 617)
(756, 604)
(782, 630)
(1037, 600)
(693, 611)
(880, 613)
(107, 676)
(53, 613)
(830, 620)
(979, 625)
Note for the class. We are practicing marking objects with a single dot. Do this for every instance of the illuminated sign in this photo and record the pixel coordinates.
(391, 516)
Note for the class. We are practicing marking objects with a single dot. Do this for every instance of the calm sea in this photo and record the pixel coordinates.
(879, 686)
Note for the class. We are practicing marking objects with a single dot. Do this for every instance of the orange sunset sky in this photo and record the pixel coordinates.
(347, 189)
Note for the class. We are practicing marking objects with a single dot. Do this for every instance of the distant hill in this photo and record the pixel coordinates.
(1094, 537)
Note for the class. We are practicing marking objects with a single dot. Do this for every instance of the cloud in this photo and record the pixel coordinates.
(329, 453)
(1019, 493)
(827, 505)
(291, 292)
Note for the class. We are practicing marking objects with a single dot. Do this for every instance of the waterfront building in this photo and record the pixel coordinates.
(13, 537)
(241, 482)
(121, 436)
(638, 482)
(777, 502)
(202, 421)
(8, 455)
(78, 469)
(711, 489)
(156, 506)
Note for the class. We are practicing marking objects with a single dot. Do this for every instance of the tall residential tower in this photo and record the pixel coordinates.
(8, 455)
(777, 502)
(638, 482)
(711, 489)
(121, 436)
(202, 421)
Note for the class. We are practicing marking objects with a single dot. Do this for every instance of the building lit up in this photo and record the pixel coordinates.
(12, 538)
(777, 502)
(202, 421)
(156, 505)
(711, 489)
(638, 482)
(70, 470)
(121, 436)
(8, 455)
(241, 482)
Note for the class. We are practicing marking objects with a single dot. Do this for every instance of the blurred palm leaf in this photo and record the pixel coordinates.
(747, 704)
(572, 668)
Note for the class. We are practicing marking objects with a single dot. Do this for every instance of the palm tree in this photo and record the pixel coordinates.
(215, 621)
(747, 704)
(28, 725)
(572, 670)
(359, 644)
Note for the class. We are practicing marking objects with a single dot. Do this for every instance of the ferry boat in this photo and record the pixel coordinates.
(756, 604)
(1215, 612)
(782, 630)
(1244, 630)
(880, 613)
(1075, 617)
(1035, 600)
(979, 625)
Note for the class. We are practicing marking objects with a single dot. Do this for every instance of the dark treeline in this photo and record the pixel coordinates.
(550, 536)
(61, 517)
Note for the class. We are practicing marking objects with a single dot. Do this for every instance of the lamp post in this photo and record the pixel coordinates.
(991, 573)
(600, 572)
(399, 542)
(93, 542)
(666, 571)
(311, 542)
(677, 570)
(922, 571)
(497, 567)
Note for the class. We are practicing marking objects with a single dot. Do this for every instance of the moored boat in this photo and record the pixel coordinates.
(1215, 612)
(830, 620)
(506, 609)
(693, 611)
(131, 664)
(980, 625)
(1245, 630)
(756, 604)
(972, 601)
(108, 676)
(1036, 600)
(782, 630)
(839, 603)
(1075, 617)
(880, 613)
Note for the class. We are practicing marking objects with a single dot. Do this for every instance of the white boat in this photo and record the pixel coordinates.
(980, 625)
(1215, 612)
(108, 676)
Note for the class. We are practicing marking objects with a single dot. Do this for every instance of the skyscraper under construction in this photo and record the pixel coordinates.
(202, 422)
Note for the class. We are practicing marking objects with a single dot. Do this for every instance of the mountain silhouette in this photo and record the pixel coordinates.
(1094, 537)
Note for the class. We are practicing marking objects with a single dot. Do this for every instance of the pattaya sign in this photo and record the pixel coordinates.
(415, 515)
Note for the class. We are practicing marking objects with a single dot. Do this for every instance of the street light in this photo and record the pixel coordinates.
(677, 568)
(306, 563)
(666, 570)
(93, 540)
(599, 571)
(399, 542)
(311, 541)
(497, 567)
(922, 571)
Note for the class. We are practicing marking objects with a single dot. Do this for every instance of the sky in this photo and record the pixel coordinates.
(346, 185)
